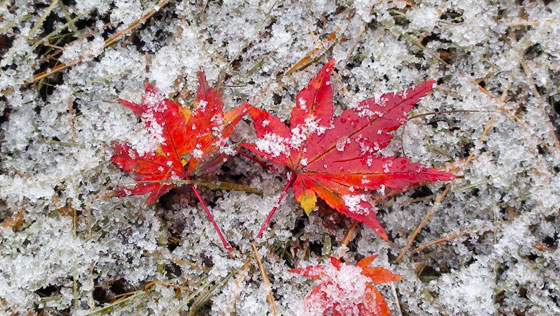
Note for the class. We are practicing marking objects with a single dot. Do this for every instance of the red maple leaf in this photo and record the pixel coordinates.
(338, 159)
(189, 142)
(347, 290)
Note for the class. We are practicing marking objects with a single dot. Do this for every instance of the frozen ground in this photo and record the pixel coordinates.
(490, 247)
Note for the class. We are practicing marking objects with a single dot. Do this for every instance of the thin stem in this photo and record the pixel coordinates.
(42, 18)
(423, 223)
(189, 298)
(211, 218)
(260, 162)
(112, 305)
(270, 295)
(280, 198)
(218, 185)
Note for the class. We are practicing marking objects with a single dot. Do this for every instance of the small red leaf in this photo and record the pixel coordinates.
(190, 142)
(346, 290)
(187, 139)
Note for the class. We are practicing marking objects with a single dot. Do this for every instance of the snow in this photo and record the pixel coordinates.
(469, 291)
(83, 50)
(496, 231)
(273, 144)
(344, 287)
(354, 203)
(300, 133)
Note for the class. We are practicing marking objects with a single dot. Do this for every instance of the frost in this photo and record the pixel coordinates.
(197, 153)
(344, 287)
(301, 132)
(471, 291)
(424, 18)
(272, 144)
(355, 204)
(496, 230)
(302, 104)
(83, 50)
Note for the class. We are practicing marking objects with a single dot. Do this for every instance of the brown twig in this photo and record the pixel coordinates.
(350, 234)
(61, 49)
(509, 113)
(438, 241)
(423, 223)
(447, 112)
(108, 42)
(444, 193)
(530, 22)
(270, 296)
(352, 48)
(152, 283)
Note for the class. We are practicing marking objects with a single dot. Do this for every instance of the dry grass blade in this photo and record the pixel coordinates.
(202, 300)
(59, 29)
(438, 241)
(270, 295)
(531, 23)
(152, 283)
(136, 23)
(109, 307)
(42, 18)
(352, 48)
(217, 185)
(108, 42)
(423, 223)
(189, 298)
(350, 234)
(443, 194)
(451, 237)
(448, 112)
(396, 296)
(536, 93)
(231, 305)
(314, 54)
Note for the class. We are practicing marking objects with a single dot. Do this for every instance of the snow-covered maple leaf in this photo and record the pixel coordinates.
(346, 290)
(189, 142)
(337, 158)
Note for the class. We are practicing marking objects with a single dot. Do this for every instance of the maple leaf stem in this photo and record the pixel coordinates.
(211, 218)
(280, 198)
(260, 162)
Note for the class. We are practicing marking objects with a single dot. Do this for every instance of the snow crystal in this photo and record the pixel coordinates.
(302, 132)
(345, 287)
(302, 104)
(84, 50)
(471, 291)
(341, 143)
(197, 153)
(201, 105)
(272, 144)
(355, 205)
(425, 17)
(57, 134)
(153, 127)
